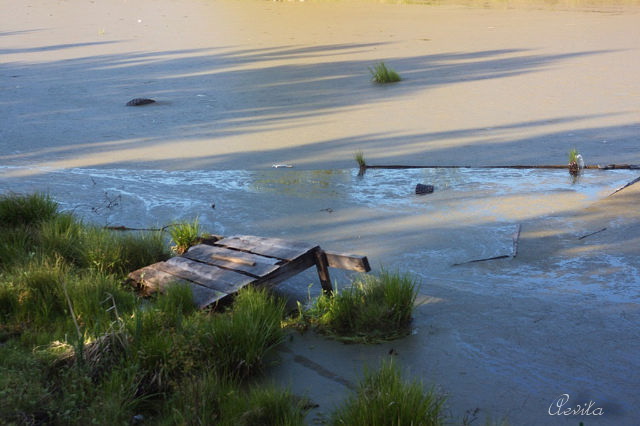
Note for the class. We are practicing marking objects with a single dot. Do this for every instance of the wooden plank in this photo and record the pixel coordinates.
(257, 266)
(289, 269)
(270, 247)
(351, 262)
(153, 280)
(207, 275)
(323, 270)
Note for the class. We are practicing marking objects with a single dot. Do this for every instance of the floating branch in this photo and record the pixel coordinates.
(547, 166)
(625, 186)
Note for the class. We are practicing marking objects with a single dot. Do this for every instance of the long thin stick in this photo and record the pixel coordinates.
(516, 237)
(592, 233)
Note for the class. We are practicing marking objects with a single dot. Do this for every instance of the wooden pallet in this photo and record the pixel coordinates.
(214, 271)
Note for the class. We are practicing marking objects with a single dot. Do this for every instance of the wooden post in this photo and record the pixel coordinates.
(323, 270)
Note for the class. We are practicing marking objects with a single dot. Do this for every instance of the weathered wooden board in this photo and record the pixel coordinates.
(271, 247)
(154, 280)
(207, 275)
(291, 269)
(351, 262)
(253, 264)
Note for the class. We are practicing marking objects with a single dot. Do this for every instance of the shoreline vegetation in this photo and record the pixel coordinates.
(78, 346)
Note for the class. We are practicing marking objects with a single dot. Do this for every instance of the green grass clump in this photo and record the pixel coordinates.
(374, 308)
(573, 155)
(24, 394)
(26, 210)
(120, 253)
(359, 157)
(381, 74)
(184, 235)
(242, 336)
(384, 398)
(207, 399)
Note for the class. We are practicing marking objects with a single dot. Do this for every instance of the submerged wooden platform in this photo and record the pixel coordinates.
(221, 268)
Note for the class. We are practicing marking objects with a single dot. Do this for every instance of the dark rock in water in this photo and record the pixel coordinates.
(140, 101)
(424, 189)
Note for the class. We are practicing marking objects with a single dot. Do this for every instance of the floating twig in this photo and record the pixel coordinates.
(592, 233)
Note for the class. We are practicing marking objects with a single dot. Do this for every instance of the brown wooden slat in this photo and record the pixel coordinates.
(206, 275)
(352, 262)
(152, 280)
(290, 269)
(206, 253)
(271, 247)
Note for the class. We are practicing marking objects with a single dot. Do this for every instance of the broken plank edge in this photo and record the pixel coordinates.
(351, 262)
(149, 280)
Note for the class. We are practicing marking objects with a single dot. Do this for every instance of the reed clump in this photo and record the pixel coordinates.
(372, 309)
(380, 73)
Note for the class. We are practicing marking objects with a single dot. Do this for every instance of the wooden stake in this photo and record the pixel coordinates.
(323, 270)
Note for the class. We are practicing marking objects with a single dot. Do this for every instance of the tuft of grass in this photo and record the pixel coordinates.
(208, 399)
(184, 235)
(16, 247)
(268, 406)
(381, 74)
(101, 249)
(24, 394)
(120, 253)
(373, 309)
(26, 210)
(359, 157)
(384, 398)
(573, 156)
(574, 162)
(241, 337)
(62, 237)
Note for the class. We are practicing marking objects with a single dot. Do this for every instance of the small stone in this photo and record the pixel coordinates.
(422, 189)
(140, 101)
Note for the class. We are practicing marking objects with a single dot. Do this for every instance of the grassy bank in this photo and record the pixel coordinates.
(77, 346)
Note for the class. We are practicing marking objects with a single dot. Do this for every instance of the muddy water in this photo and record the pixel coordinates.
(473, 213)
